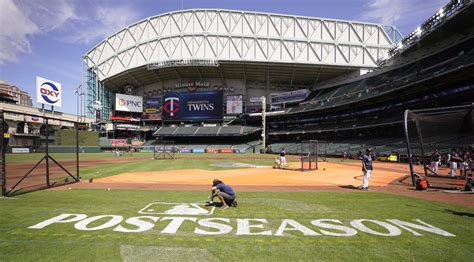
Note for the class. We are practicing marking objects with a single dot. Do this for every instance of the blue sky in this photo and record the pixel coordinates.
(48, 37)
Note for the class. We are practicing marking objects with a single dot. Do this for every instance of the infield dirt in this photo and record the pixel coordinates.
(330, 177)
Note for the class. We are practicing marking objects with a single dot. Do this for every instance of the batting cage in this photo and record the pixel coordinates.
(440, 145)
(164, 149)
(30, 157)
(310, 155)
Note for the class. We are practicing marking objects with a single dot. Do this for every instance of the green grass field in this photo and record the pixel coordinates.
(64, 242)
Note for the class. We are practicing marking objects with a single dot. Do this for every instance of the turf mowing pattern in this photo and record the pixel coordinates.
(64, 242)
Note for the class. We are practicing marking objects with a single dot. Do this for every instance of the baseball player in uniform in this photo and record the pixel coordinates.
(283, 158)
(366, 168)
(435, 159)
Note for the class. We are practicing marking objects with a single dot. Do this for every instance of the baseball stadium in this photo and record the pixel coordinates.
(212, 135)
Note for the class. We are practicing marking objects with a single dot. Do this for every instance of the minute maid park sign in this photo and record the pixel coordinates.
(174, 215)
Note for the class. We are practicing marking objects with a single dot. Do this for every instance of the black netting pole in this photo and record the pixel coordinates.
(317, 154)
(3, 174)
(174, 150)
(47, 152)
(302, 163)
(77, 152)
(420, 135)
(410, 156)
(164, 149)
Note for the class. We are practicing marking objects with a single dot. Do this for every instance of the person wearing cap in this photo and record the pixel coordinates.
(283, 158)
(224, 192)
(366, 168)
(435, 159)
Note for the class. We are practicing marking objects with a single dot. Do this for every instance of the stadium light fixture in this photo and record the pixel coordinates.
(441, 13)
(418, 31)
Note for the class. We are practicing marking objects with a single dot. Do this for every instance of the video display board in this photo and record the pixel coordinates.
(153, 105)
(192, 106)
(234, 105)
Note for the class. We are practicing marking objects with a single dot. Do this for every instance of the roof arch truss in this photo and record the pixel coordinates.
(239, 36)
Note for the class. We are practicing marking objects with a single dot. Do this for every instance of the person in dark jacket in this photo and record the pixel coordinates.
(224, 192)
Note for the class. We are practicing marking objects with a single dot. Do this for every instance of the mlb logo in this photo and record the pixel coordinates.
(177, 209)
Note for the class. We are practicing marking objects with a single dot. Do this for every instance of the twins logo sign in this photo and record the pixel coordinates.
(193, 106)
(171, 105)
(48, 92)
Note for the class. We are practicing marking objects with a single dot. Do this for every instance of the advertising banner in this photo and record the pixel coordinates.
(128, 103)
(151, 116)
(48, 92)
(256, 99)
(199, 150)
(289, 97)
(234, 105)
(20, 150)
(153, 105)
(193, 106)
(66, 123)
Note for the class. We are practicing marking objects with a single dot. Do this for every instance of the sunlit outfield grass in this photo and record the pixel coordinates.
(85, 156)
(62, 242)
(142, 162)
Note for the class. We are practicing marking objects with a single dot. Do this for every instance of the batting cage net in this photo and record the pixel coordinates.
(310, 155)
(30, 156)
(440, 144)
(164, 149)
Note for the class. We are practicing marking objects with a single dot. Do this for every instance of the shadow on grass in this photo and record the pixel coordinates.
(452, 212)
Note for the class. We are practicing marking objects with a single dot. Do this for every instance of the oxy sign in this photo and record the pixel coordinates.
(128, 103)
(48, 92)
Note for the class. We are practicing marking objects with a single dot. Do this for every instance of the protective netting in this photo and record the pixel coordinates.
(31, 157)
(441, 143)
(310, 150)
(164, 149)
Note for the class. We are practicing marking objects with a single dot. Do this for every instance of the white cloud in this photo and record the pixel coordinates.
(49, 14)
(15, 30)
(404, 14)
(106, 21)
(22, 20)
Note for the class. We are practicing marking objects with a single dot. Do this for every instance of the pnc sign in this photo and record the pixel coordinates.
(128, 103)
(48, 92)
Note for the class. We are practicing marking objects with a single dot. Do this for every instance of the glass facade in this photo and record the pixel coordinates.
(96, 91)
